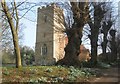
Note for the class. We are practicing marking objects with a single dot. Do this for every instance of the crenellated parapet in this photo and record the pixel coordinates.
(50, 6)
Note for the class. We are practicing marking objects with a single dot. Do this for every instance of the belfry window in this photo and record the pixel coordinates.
(44, 50)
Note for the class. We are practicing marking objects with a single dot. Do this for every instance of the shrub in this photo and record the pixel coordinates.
(49, 70)
(103, 65)
(6, 72)
(82, 72)
(42, 79)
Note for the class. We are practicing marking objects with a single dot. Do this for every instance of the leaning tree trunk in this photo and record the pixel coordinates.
(14, 33)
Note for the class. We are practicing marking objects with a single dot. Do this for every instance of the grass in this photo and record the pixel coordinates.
(45, 74)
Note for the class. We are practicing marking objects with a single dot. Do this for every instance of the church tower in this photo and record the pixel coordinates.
(50, 41)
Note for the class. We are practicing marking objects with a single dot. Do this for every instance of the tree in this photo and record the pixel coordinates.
(14, 29)
(74, 33)
(105, 28)
(7, 57)
(27, 55)
(95, 24)
(14, 11)
(118, 45)
(6, 40)
(113, 46)
(108, 21)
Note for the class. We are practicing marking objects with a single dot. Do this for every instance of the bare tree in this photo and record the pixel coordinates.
(113, 46)
(74, 33)
(106, 27)
(6, 40)
(14, 27)
(95, 25)
(14, 11)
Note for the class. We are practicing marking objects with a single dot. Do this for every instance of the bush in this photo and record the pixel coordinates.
(27, 55)
(49, 70)
(8, 57)
(103, 65)
(76, 73)
(6, 72)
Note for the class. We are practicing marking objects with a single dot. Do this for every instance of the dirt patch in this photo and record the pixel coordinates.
(109, 76)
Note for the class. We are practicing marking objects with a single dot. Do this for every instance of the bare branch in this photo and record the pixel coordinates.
(27, 11)
(17, 18)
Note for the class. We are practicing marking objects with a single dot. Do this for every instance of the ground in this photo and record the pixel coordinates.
(60, 74)
(110, 75)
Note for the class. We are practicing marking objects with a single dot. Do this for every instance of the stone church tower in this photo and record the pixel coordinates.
(50, 39)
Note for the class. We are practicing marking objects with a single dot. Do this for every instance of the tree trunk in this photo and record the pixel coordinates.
(17, 50)
(93, 41)
(113, 45)
(14, 34)
(104, 46)
(113, 50)
(94, 51)
(94, 26)
(80, 15)
(105, 28)
(72, 49)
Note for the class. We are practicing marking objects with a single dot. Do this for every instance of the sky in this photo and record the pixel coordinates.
(30, 28)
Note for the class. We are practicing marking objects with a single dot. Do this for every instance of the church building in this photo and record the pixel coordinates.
(50, 39)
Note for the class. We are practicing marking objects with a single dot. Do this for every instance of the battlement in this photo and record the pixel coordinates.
(49, 7)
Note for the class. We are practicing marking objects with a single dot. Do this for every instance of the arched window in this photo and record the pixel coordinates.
(44, 49)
